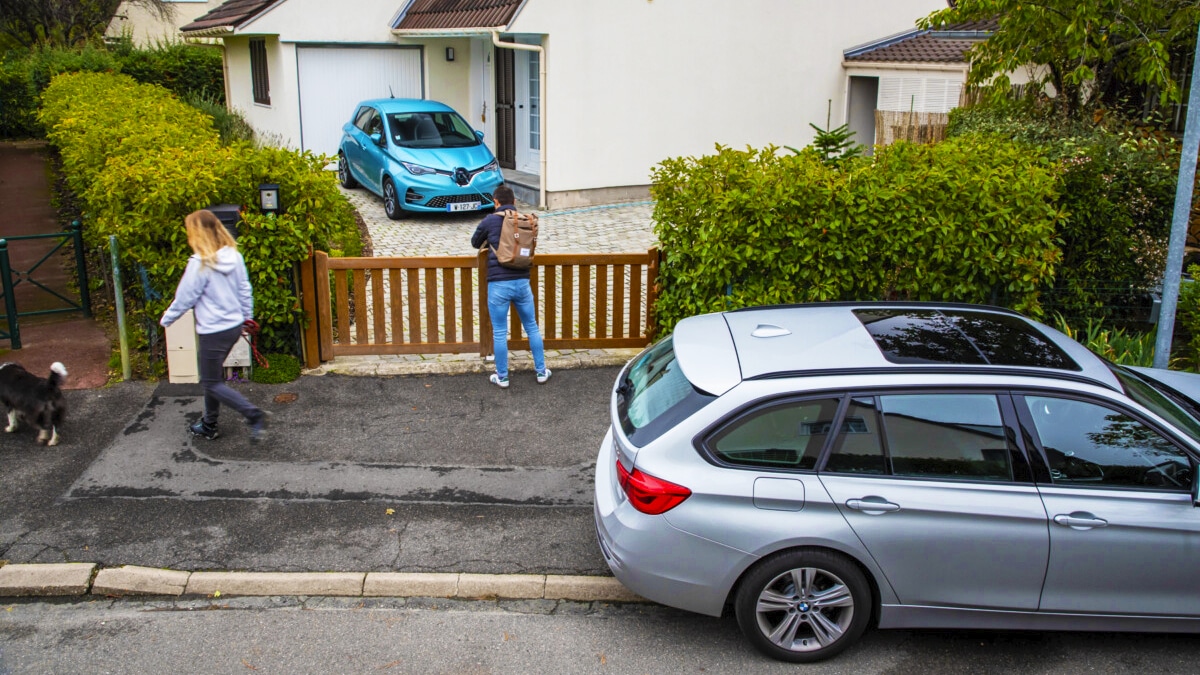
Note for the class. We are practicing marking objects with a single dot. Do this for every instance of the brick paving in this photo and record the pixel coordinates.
(616, 228)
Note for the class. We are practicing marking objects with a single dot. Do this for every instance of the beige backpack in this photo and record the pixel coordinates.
(518, 240)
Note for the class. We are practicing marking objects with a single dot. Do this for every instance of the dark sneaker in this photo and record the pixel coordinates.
(258, 427)
(207, 431)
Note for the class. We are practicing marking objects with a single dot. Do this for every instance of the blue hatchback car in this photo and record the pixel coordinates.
(418, 155)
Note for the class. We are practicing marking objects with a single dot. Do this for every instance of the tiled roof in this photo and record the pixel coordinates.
(922, 48)
(229, 13)
(447, 14)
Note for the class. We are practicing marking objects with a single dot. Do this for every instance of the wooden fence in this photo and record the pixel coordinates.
(437, 305)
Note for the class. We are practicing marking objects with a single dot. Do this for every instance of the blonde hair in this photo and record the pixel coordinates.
(206, 234)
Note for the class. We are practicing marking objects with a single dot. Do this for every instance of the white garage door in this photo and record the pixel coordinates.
(334, 79)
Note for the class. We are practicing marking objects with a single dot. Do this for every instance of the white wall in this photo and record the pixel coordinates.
(281, 119)
(359, 22)
(632, 82)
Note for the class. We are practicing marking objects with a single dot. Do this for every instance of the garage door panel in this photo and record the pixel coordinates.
(334, 79)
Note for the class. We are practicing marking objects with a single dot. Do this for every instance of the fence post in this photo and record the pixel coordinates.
(485, 319)
(308, 302)
(119, 294)
(85, 299)
(10, 302)
(651, 293)
(324, 313)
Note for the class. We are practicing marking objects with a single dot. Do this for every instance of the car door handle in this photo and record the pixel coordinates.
(872, 505)
(1080, 521)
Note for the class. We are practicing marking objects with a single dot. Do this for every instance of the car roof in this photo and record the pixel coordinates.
(400, 105)
(716, 351)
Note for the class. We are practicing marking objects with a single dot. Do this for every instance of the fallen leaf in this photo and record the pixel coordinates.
(216, 594)
(507, 637)
(247, 664)
(428, 386)
(389, 665)
(603, 660)
(390, 512)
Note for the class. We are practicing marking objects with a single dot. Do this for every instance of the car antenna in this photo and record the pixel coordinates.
(390, 93)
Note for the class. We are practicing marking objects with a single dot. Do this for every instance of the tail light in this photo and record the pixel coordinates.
(648, 494)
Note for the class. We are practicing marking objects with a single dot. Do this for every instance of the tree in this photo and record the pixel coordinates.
(1086, 49)
(66, 22)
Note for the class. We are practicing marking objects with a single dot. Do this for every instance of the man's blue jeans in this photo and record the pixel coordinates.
(518, 292)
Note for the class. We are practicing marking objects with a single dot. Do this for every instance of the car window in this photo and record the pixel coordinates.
(1147, 393)
(373, 124)
(361, 117)
(858, 448)
(783, 436)
(654, 395)
(1094, 445)
(946, 436)
(957, 436)
(430, 130)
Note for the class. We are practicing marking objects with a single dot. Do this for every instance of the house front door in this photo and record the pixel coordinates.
(506, 95)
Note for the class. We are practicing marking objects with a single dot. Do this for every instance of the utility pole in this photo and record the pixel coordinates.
(1179, 221)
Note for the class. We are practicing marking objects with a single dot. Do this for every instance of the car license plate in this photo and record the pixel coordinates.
(463, 206)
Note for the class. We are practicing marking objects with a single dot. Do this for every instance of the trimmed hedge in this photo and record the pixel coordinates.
(970, 220)
(140, 160)
(188, 71)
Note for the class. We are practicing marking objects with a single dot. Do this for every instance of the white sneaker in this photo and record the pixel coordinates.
(543, 376)
(501, 382)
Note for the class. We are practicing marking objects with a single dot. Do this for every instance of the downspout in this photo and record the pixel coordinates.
(542, 113)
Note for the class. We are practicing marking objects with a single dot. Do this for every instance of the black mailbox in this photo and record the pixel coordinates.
(229, 215)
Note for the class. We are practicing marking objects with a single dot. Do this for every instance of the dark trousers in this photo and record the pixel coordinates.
(214, 349)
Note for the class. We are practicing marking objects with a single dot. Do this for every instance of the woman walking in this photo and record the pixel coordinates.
(217, 286)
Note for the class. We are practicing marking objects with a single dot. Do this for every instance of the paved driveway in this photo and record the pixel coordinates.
(617, 228)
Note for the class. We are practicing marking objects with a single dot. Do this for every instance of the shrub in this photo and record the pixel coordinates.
(1128, 348)
(1118, 190)
(284, 368)
(970, 220)
(140, 160)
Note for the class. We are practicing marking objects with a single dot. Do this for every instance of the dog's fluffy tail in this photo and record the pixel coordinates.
(58, 373)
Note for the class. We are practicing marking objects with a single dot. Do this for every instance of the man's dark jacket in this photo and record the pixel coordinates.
(489, 232)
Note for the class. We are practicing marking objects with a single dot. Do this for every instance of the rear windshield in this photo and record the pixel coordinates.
(653, 395)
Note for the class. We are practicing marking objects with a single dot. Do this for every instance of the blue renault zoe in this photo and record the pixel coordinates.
(417, 155)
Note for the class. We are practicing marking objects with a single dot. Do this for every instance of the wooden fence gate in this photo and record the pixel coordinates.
(438, 305)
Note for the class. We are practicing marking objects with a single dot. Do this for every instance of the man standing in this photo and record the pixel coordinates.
(507, 285)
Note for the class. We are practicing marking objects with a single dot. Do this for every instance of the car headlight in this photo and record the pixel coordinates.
(417, 169)
(493, 166)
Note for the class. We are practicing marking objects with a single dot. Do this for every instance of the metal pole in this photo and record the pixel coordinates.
(85, 299)
(119, 294)
(1179, 221)
(10, 302)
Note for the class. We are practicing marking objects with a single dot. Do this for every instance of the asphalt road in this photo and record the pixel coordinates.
(338, 635)
(414, 474)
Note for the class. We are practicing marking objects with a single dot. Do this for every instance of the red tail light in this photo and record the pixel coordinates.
(648, 494)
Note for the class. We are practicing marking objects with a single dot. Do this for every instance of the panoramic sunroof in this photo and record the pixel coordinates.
(960, 338)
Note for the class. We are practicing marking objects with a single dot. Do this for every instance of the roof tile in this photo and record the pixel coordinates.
(922, 48)
(229, 13)
(441, 14)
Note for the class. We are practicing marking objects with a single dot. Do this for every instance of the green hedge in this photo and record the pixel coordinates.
(1118, 191)
(140, 160)
(188, 71)
(969, 220)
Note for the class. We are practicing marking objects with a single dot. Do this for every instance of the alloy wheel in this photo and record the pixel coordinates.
(391, 205)
(344, 176)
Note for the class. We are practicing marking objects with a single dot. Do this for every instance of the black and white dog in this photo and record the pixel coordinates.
(38, 400)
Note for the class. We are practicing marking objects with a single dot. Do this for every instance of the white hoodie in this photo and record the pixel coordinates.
(221, 293)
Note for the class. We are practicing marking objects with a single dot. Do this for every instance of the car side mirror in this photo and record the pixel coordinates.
(377, 139)
(479, 134)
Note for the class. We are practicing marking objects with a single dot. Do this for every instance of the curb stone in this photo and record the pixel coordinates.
(70, 579)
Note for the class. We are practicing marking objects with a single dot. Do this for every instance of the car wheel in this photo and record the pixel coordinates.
(391, 201)
(803, 606)
(344, 176)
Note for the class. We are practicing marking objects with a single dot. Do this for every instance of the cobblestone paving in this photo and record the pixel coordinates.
(617, 228)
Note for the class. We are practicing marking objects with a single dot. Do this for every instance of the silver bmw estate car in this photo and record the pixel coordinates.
(818, 469)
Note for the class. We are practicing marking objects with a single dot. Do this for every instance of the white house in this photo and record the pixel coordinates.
(579, 100)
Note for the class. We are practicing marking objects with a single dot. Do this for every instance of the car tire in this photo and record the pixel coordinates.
(344, 175)
(391, 200)
(778, 605)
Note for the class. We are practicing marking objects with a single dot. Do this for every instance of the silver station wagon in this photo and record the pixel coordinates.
(818, 469)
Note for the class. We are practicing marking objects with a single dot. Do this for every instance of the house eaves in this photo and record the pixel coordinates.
(455, 18)
(228, 17)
